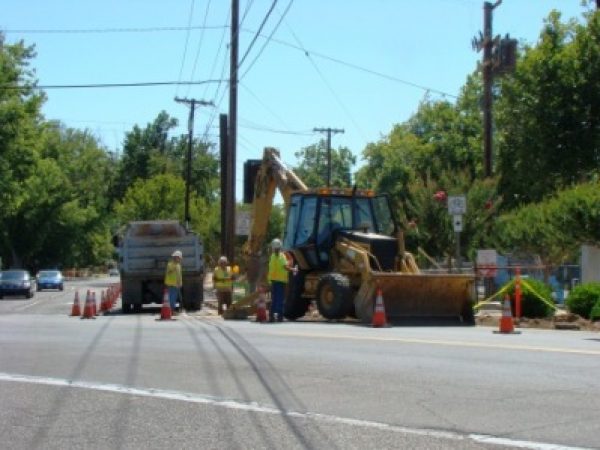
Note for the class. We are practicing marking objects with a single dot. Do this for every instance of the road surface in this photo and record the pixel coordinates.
(131, 381)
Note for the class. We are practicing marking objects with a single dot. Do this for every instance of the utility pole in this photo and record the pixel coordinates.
(188, 175)
(488, 79)
(487, 43)
(232, 136)
(328, 131)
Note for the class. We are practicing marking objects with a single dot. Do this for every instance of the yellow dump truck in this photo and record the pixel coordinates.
(346, 244)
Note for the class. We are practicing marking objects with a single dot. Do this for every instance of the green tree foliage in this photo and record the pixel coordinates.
(549, 112)
(554, 228)
(312, 167)
(162, 197)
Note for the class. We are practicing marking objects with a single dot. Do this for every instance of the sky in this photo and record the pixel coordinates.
(358, 65)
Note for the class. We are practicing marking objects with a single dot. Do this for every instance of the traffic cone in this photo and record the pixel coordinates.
(94, 306)
(261, 307)
(102, 302)
(88, 311)
(506, 325)
(165, 310)
(76, 309)
(379, 319)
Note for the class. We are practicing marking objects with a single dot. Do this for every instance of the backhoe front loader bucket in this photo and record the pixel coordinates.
(418, 296)
(242, 308)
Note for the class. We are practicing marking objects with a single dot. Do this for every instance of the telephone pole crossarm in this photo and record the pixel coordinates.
(328, 131)
(192, 103)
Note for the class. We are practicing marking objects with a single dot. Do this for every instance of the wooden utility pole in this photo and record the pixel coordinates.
(224, 166)
(192, 104)
(232, 135)
(486, 43)
(328, 131)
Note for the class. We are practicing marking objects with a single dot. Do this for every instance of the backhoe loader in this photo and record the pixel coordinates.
(346, 244)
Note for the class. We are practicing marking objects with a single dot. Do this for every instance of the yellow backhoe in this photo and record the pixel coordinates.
(346, 244)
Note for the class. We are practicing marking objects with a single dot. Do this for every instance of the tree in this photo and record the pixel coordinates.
(549, 112)
(312, 165)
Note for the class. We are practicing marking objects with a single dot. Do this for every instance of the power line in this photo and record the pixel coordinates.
(112, 30)
(199, 45)
(308, 52)
(106, 85)
(253, 41)
(187, 38)
(273, 31)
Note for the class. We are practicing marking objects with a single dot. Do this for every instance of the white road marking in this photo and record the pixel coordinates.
(257, 408)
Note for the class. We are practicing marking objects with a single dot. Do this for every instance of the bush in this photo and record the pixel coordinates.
(531, 306)
(582, 299)
(595, 314)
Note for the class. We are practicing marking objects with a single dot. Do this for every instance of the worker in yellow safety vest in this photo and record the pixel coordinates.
(173, 278)
(279, 266)
(223, 283)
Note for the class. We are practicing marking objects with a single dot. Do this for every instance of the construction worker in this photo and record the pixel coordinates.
(278, 278)
(223, 283)
(173, 279)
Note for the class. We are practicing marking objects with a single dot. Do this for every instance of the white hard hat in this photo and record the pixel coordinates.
(223, 259)
(177, 254)
(275, 244)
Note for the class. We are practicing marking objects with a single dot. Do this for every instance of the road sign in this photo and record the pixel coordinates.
(457, 205)
(242, 223)
(457, 222)
(487, 263)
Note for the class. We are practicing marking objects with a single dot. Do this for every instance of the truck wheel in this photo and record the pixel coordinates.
(127, 308)
(193, 297)
(334, 296)
(295, 306)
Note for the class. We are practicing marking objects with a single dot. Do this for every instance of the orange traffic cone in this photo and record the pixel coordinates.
(76, 309)
(165, 311)
(261, 307)
(88, 311)
(102, 302)
(506, 321)
(94, 306)
(379, 319)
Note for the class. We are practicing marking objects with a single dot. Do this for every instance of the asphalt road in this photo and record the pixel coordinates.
(131, 381)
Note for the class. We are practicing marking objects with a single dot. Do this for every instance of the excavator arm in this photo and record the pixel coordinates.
(272, 175)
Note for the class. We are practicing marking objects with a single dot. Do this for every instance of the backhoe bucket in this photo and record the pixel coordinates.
(415, 296)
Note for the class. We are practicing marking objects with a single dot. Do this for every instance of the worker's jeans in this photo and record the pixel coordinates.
(173, 296)
(277, 299)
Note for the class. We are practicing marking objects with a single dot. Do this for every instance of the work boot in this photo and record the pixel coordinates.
(279, 318)
(271, 318)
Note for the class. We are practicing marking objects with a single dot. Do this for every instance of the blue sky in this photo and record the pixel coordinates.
(424, 43)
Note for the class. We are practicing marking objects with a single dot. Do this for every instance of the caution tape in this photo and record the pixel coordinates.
(489, 299)
(533, 291)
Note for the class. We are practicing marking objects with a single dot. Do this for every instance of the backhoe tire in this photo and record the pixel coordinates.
(295, 306)
(334, 296)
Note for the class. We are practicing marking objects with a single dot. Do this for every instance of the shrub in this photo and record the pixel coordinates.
(595, 314)
(531, 306)
(582, 299)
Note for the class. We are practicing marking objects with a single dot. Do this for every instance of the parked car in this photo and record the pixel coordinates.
(114, 272)
(16, 282)
(50, 279)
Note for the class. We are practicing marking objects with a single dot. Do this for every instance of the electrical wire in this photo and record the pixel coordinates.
(273, 31)
(253, 41)
(199, 46)
(112, 30)
(187, 38)
(106, 85)
(261, 103)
